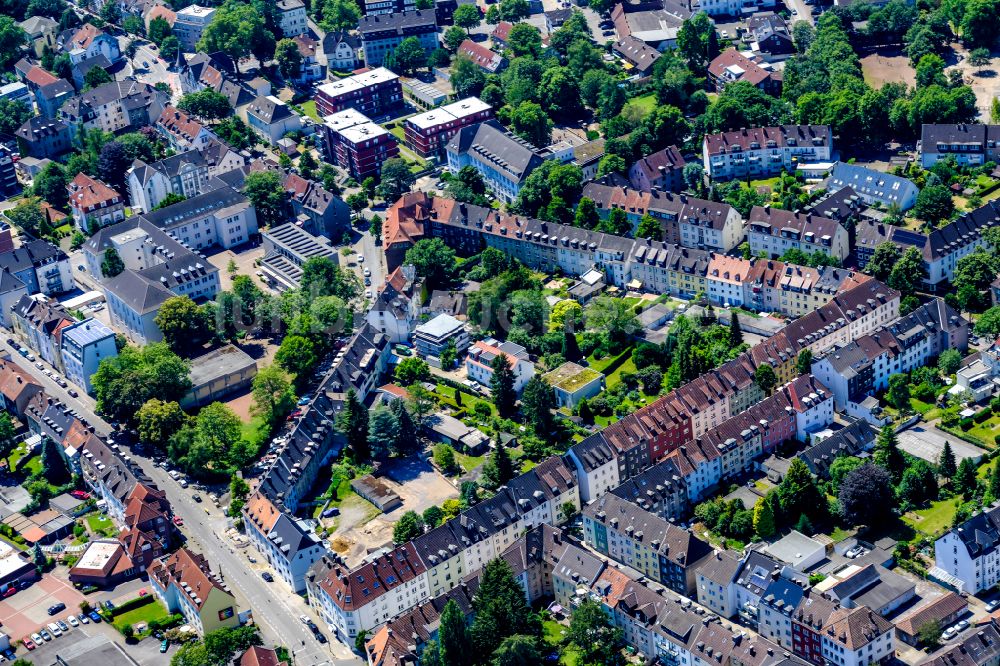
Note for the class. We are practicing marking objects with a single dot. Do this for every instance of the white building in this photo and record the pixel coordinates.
(288, 544)
(190, 23)
(762, 152)
(432, 338)
(293, 17)
(479, 362)
(596, 467)
(968, 555)
(774, 231)
(84, 346)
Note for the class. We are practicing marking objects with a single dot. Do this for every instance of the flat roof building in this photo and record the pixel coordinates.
(217, 374)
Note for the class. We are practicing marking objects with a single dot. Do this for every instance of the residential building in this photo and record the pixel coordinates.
(190, 23)
(774, 231)
(969, 144)
(872, 586)
(94, 204)
(316, 210)
(852, 440)
(967, 556)
(860, 637)
(218, 374)
(157, 267)
(84, 345)
(980, 375)
(8, 176)
(271, 119)
(663, 170)
(11, 292)
(220, 217)
(184, 583)
(358, 145)
(43, 138)
(41, 32)
(39, 322)
(736, 8)
(183, 131)
(311, 68)
(289, 544)
(654, 24)
(597, 467)
(980, 648)
(660, 490)
(573, 383)
(874, 186)
(769, 36)
(957, 239)
(114, 107)
(488, 61)
(637, 55)
(774, 286)
(17, 92)
(185, 175)
(433, 337)
(715, 582)
(88, 41)
(287, 247)
(51, 96)
(732, 65)
(765, 151)
(396, 308)
(382, 33)
(503, 159)
(40, 266)
(374, 93)
(340, 51)
(945, 610)
(645, 542)
(479, 362)
(292, 20)
(428, 133)
(211, 72)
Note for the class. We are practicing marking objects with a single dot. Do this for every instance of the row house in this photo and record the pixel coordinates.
(382, 33)
(428, 133)
(863, 366)
(774, 231)
(39, 322)
(288, 544)
(114, 107)
(42, 137)
(660, 490)
(596, 465)
(40, 266)
(662, 170)
(763, 152)
(948, 244)
(396, 307)
(969, 144)
(94, 204)
(375, 93)
(715, 582)
(645, 542)
(793, 290)
(356, 144)
(686, 221)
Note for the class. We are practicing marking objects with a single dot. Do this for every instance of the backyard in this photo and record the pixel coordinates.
(144, 614)
(554, 634)
(101, 525)
(934, 520)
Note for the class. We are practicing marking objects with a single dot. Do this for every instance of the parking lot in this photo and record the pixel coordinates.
(927, 443)
(26, 612)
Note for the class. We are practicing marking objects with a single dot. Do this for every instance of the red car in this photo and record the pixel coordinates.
(80, 495)
(28, 643)
(178, 520)
(11, 591)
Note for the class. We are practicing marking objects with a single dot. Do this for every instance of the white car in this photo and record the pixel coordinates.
(361, 258)
(368, 272)
(949, 633)
(84, 618)
(37, 639)
(54, 629)
(174, 474)
(368, 293)
(725, 34)
(73, 621)
(183, 482)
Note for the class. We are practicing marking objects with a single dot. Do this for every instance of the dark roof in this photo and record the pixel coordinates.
(849, 441)
(401, 23)
(492, 143)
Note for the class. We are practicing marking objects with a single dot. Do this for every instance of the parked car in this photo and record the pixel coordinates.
(178, 521)
(11, 591)
(183, 483)
(62, 625)
(83, 618)
(266, 575)
(80, 494)
(949, 633)
(331, 512)
(94, 616)
(196, 497)
(109, 605)
(37, 638)
(57, 608)
(993, 605)
(46, 636)
(28, 643)
(962, 626)
(164, 644)
(73, 621)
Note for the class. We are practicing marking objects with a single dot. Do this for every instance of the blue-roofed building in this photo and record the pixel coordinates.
(775, 610)
(873, 186)
(84, 345)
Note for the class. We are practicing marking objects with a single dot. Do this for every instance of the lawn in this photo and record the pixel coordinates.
(934, 520)
(925, 409)
(255, 431)
(309, 108)
(986, 431)
(33, 465)
(469, 463)
(554, 634)
(838, 534)
(646, 103)
(151, 611)
(101, 524)
(397, 131)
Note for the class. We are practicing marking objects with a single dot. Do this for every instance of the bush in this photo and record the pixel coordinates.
(995, 405)
(996, 440)
(983, 414)
(138, 602)
(966, 424)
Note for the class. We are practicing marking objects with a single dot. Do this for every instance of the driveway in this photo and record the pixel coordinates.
(927, 442)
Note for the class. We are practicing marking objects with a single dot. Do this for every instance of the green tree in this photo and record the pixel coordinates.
(949, 362)
(181, 322)
(866, 495)
(453, 634)
(595, 637)
(286, 54)
(615, 316)
(765, 378)
(649, 228)
(444, 457)
(929, 634)
(918, 485)
(217, 647)
(54, 468)
(502, 386)
(498, 468)
(238, 493)
(934, 204)
(297, 355)
(587, 216)
(841, 467)
(383, 432)
(887, 453)
(207, 104)
(988, 323)
(965, 480)
(467, 16)
(159, 29)
(467, 78)
(530, 122)
(803, 363)
(411, 370)
(353, 423)
(433, 260)
(396, 179)
(266, 192)
(432, 516)
(122, 384)
(50, 184)
(898, 393)
(340, 15)
(973, 275)
(12, 37)
(735, 332)
(517, 651)
(946, 463)
(798, 493)
(27, 216)
(524, 39)
(235, 29)
(763, 519)
(13, 113)
(883, 259)
(409, 526)
(408, 57)
(697, 42)
(501, 609)
(158, 420)
(169, 49)
(272, 393)
(908, 274)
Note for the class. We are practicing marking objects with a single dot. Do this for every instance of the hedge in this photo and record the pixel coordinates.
(982, 415)
(966, 424)
(131, 604)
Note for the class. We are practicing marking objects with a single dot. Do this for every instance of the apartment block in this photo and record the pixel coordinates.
(382, 33)
(969, 144)
(765, 151)
(94, 204)
(374, 93)
(358, 145)
(774, 231)
(189, 24)
(428, 133)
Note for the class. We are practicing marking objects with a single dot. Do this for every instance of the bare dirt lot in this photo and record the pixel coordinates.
(888, 66)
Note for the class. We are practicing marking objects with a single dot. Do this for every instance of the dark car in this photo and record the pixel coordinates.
(56, 608)
(109, 605)
(320, 637)
(331, 512)
(267, 576)
(196, 497)
(94, 617)
(24, 585)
